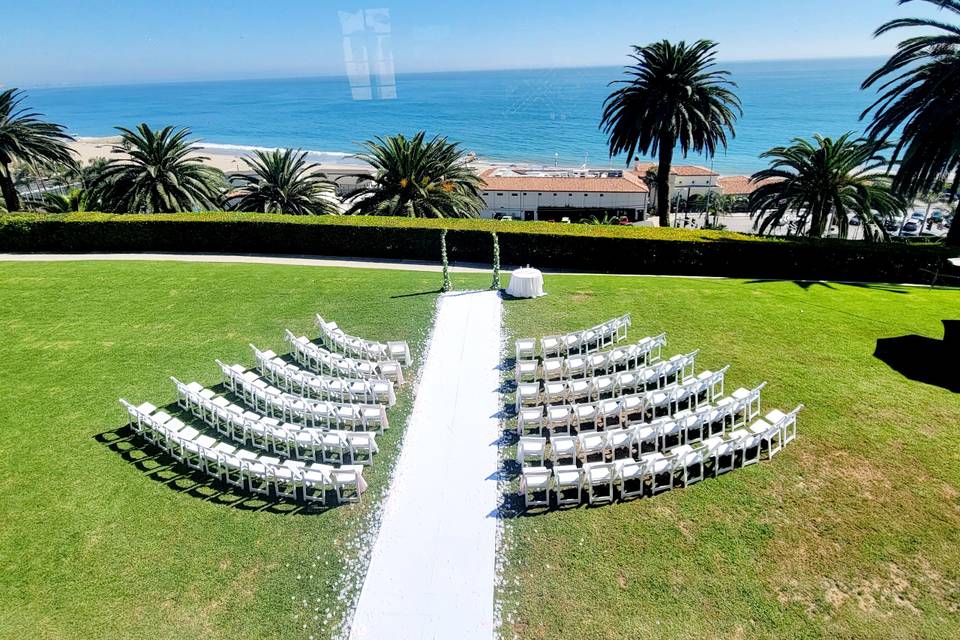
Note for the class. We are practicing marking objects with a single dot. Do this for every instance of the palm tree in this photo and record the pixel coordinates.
(157, 174)
(283, 182)
(672, 97)
(597, 220)
(827, 177)
(919, 102)
(27, 139)
(75, 200)
(417, 178)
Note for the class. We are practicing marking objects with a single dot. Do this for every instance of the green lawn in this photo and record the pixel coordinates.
(93, 545)
(853, 531)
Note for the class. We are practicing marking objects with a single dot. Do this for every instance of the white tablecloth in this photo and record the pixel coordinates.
(526, 283)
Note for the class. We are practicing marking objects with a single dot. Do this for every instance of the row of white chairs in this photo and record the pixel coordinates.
(711, 415)
(243, 469)
(356, 347)
(319, 444)
(623, 358)
(632, 392)
(655, 376)
(655, 472)
(633, 441)
(584, 341)
(322, 360)
(259, 392)
(292, 379)
(274, 403)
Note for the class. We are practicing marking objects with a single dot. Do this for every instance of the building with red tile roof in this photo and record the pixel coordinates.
(554, 194)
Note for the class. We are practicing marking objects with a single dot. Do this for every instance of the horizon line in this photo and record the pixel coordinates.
(308, 76)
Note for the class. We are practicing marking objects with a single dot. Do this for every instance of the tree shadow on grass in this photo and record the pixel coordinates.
(808, 284)
(156, 464)
(432, 292)
(922, 359)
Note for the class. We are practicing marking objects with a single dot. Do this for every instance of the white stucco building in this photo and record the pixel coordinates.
(686, 180)
(554, 194)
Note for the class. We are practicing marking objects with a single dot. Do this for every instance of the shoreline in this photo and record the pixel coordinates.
(229, 157)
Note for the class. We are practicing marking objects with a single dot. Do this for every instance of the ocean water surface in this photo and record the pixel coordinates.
(540, 116)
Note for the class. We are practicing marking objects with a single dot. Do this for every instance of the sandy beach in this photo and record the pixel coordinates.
(229, 158)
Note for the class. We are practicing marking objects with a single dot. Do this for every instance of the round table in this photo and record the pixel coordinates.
(526, 283)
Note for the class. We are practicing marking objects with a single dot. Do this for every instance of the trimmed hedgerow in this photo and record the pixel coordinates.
(549, 245)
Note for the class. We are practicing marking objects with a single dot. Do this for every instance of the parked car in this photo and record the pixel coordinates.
(855, 221)
(910, 228)
(917, 215)
(892, 225)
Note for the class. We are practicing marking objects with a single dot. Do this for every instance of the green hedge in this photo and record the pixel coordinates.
(571, 247)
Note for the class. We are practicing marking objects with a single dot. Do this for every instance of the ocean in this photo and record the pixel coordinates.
(543, 116)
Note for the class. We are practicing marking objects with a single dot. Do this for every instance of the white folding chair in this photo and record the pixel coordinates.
(620, 443)
(527, 370)
(551, 346)
(630, 475)
(659, 469)
(688, 464)
(553, 369)
(647, 437)
(600, 477)
(585, 417)
(535, 481)
(770, 437)
(362, 445)
(592, 445)
(316, 481)
(555, 392)
(348, 484)
(534, 449)
(526, 348)
(530, 418)
(739, 439)
(786, 422)
(575, 367)
(559, 420)
(528, 393)
(563, 448)
(568, 484)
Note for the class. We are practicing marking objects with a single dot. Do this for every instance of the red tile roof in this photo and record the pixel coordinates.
(739, 185)
(629, 183)
(677, 169)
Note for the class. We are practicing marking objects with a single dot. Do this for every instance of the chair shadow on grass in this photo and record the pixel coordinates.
(156, 464)
(922, 359)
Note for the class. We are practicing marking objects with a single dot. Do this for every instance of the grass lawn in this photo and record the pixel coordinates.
(95, 543)
(853, 531)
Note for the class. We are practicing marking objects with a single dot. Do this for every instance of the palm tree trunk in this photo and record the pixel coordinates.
(10, 198)
(663, 180)
(953, 237)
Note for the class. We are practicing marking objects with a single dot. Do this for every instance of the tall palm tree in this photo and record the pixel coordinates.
(920, 101)
(27, 139)
(827, 177)
(283, 182)
(672, 97)
(157, 174)
(417, 178)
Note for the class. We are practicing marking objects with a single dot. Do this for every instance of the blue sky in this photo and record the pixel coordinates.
(108, 41)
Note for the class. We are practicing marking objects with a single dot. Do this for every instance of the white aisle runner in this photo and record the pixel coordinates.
(431, 573)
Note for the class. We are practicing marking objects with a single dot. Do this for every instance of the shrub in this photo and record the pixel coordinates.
(548, 245)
